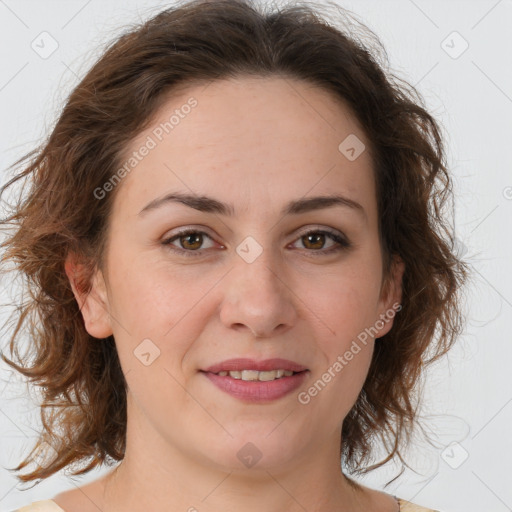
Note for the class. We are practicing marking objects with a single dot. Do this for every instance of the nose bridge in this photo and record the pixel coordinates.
(262, 274)
(256, 294)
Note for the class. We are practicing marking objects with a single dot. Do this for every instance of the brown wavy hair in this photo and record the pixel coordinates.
(83, 406)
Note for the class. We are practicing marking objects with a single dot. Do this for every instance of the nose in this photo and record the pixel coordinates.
(258, 298)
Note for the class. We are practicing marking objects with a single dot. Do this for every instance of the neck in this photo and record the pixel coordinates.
(129, 489)
(156, 475)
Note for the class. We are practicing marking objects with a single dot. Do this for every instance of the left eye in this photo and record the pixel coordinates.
(317, 237)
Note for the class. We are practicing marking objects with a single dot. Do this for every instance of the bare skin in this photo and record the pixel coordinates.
(90, 498)
(257, 144)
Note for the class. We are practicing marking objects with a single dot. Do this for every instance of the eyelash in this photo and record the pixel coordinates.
(343, 243)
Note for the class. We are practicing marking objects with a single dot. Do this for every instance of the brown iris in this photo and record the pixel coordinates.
(195, 238)
(319, 237)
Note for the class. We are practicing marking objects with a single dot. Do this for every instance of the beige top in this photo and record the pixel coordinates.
(51, 506)
(41, 506)
(407, 506)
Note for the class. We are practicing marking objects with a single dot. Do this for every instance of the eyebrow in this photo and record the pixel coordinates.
(210, 205)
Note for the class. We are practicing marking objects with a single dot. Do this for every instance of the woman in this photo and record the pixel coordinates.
(235, 243)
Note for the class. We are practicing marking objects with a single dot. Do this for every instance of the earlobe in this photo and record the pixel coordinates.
(90, 292)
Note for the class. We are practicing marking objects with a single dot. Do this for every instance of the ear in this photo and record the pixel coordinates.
(391, 297)
(93, 304)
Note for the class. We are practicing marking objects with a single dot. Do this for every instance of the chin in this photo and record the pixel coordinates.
(254, 451)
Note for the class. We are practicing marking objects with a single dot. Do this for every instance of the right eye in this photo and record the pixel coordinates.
(190, 241)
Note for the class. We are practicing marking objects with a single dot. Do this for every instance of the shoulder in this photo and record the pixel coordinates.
(41, 506)
(407, 506)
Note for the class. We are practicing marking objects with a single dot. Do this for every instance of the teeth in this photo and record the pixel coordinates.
(256, 375)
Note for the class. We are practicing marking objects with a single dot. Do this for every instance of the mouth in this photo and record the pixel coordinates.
(257, 381)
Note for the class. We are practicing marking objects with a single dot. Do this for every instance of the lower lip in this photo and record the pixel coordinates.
(257, 391)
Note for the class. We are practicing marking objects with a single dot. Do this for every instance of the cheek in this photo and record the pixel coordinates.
(344, 310)
(150, 295)
(344, 302)
(150, 301)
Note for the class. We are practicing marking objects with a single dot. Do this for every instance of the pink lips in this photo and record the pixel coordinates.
(257, 391)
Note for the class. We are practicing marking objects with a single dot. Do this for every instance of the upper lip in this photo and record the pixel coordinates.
(239, 364)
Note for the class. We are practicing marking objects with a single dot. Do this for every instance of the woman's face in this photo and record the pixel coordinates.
(247, 282)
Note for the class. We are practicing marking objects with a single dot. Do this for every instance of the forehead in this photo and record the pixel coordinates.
(242, 136)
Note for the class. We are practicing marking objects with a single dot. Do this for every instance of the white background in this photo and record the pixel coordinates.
(468, 396)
